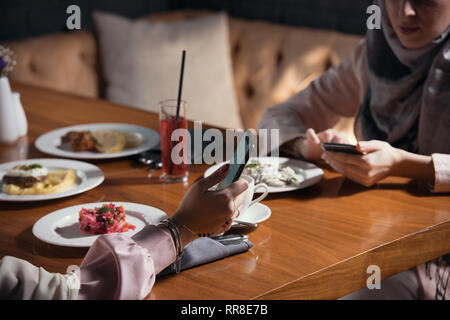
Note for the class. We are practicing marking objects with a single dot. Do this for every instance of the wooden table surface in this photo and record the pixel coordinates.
(317, 244)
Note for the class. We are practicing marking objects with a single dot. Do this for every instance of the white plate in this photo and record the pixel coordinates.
(256, 213)
(312, 173)
(61, 227)
(88, 177)
(50, 142)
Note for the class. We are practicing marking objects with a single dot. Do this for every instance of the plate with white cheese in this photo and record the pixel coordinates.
(279, 173)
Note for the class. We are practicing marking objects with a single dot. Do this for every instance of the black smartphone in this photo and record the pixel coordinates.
(340, 147)
(149, 157)
(238, 163)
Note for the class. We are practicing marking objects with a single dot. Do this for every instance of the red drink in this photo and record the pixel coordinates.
(174, 155)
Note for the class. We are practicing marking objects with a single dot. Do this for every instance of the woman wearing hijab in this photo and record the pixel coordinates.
(397, 85)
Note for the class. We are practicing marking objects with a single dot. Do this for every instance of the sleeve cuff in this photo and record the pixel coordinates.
(441, 163)
(159, 243)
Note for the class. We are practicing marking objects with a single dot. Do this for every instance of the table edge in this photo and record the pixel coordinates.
(338, 280)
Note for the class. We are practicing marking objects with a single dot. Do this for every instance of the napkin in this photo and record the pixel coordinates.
(205, 250)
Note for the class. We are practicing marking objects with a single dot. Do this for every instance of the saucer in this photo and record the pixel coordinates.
(257, 213)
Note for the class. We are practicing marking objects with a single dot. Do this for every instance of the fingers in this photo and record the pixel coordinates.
(239, 200)
(312, 136)
(369, 146)
(327, 135)
(238, 187)
(342, 157)
(347, 170)
(367, 176)
(353, 173)
(339, 138)
(214, 178)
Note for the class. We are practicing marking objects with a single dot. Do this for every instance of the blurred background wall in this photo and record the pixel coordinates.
(27, 18)
(342, 15)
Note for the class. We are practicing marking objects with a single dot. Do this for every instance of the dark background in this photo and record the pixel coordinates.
(26, 18)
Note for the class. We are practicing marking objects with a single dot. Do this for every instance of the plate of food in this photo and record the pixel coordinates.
(97, 141)
(80, 225)
(280, 174)
(45, 179)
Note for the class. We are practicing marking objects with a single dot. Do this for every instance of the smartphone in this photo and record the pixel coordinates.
(238, 163)
(340, 147)
(149, 157)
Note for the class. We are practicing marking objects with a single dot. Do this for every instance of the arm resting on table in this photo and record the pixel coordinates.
(115, 267)
(434, 168)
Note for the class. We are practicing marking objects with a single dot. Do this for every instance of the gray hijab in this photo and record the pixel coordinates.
(408, 99)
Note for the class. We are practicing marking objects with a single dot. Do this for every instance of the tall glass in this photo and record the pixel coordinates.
(174, 154)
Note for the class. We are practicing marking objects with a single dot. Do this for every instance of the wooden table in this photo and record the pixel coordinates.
(317, 244)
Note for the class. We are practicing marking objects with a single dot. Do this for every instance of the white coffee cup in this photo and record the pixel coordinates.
(248, 202)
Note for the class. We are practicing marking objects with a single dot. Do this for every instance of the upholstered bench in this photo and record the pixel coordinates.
(270, 61)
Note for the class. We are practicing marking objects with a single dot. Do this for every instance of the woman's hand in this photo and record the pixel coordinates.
(380, 160)
(203, 212)
(310, 147)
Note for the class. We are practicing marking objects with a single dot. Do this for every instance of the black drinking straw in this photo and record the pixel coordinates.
(181, 84)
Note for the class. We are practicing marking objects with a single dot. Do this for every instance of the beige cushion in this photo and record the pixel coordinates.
(141, 62)
(66, 62)
(272, 62)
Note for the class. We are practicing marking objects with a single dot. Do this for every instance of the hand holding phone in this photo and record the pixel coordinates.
(340, 147)
(238, 162)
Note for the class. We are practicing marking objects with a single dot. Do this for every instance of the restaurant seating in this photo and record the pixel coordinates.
(271, 61)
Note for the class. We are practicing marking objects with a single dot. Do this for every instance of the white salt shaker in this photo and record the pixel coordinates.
(21, 118)
(8, 114)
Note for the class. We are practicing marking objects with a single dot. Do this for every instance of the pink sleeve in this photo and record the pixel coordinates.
(337, 93)
(441, 164)
(120, 267)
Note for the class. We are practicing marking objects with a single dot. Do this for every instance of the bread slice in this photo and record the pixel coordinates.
(108, 141)
(132, 139)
